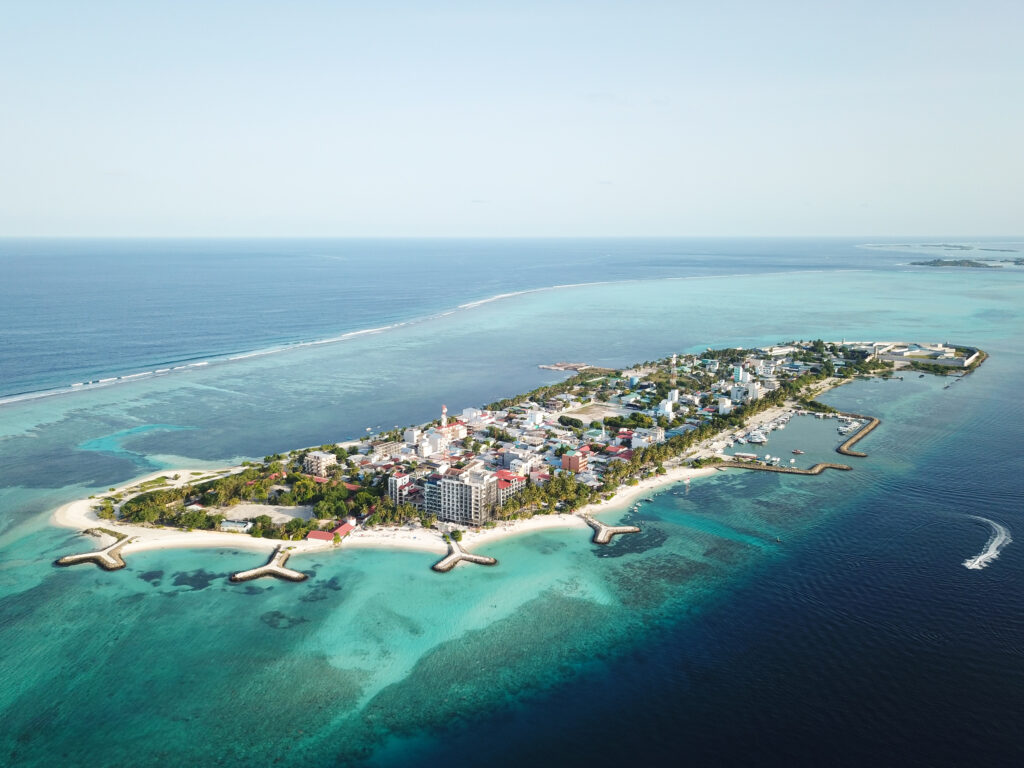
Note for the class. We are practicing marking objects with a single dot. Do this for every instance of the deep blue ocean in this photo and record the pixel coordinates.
(756, 619)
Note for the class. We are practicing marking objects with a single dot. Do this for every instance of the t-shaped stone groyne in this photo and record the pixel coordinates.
(456, 554)
(109, 558)
(274, 567)
(603, 533)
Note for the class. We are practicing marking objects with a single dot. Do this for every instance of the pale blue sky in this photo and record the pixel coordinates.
(513, 118)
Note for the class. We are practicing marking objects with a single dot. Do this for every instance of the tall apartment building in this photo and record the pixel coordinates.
(398, 487)
(574, 461)
(385, 450)
(317, 462)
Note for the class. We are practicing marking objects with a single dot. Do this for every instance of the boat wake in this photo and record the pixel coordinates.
(1000, 538)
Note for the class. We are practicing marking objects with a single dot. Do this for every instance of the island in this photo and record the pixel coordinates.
(554, 457)
(968, 263)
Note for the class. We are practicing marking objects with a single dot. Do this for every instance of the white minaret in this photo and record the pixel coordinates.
(444, 416)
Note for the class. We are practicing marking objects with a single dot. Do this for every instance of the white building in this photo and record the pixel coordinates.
(665, 408)
(433, 442)
(398, 486)
(412, 435)
(317, 462)
(724, 406)
(534, 419)
(386, 450)
(468, 498)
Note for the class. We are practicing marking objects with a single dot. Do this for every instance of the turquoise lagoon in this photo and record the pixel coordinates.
(749, 608)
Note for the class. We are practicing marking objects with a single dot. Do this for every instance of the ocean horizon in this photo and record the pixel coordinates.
(831, 618)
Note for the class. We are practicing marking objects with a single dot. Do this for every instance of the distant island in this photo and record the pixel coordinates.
(550, 458)
(969, 263)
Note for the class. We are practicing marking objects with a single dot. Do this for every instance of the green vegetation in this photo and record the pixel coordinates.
(543, 394)
(116, 534)
(634, 420)
(106, 510)
(386, 512)
(938, 370)
(813, 405)
(269, 483)
(496, 433)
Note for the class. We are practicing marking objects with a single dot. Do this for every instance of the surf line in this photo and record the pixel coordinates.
(1000, 538)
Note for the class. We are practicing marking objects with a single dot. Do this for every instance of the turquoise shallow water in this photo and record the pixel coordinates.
(696, 631)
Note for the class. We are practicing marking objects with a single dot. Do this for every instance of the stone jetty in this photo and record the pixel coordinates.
(817, 469)
(603, 533)
(860, 433)
(456, 554)
(274, 567)
(109, 558)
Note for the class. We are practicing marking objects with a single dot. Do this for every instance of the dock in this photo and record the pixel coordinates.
(456, 554)
(603, 533)
(109, 558)
(274, 567)
(860, 433)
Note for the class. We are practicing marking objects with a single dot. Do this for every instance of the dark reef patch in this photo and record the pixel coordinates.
(279, 620)
(153, 577)
(197, 579)
(321, 590)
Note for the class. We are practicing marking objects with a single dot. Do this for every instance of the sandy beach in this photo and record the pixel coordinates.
(80, 515)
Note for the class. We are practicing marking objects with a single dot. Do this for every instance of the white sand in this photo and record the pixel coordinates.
(79, 514)
(277, 514)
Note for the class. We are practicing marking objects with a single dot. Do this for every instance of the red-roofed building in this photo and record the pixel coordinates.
(574, 461)
(319, 536)
(508, 484)
(343, 530)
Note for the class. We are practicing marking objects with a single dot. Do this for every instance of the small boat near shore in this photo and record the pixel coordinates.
(798, 452)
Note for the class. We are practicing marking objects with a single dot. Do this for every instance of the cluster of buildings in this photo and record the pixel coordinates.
(463, 469)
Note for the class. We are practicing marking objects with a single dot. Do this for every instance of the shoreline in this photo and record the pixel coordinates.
(80, 515)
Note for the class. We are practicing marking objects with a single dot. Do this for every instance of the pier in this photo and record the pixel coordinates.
(456, 554)
(817, 469)
(274, 567)
(862, 432)
(109, 558)
(603, 533)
